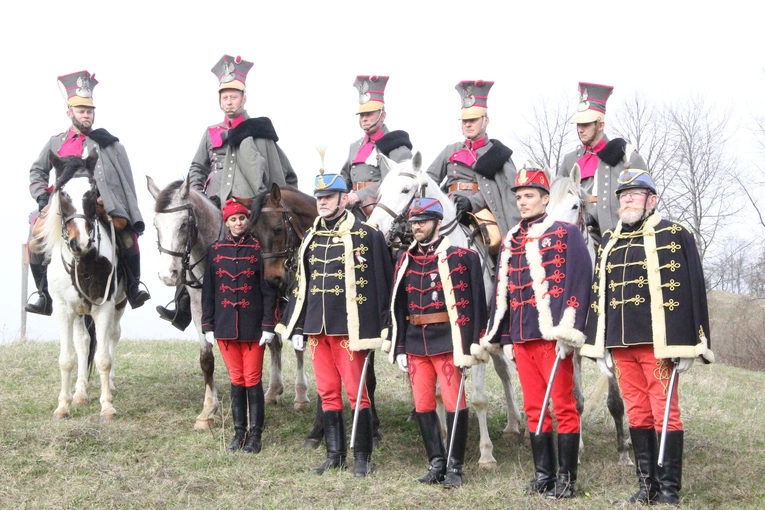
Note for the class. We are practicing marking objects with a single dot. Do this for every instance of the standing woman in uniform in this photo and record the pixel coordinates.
(238, 310)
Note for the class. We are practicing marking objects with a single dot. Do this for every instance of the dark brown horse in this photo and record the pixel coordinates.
(280, 217)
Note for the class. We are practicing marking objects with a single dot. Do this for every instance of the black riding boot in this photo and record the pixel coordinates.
(334, 437)
(543, 453)
(362, 450)
(44, 303)
(568, 458)
(669, 476)
(644, 447)
(453, 478)
(238, 415)
(257, 405)
(430, 428)
(135, 294)
(181, 316)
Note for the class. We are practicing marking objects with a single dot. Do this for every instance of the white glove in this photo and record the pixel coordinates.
(509, 353)
(683, 364)
(210, 337)
(606, 364)
(403, 362)
(266, 338)
(563, 349)
(297, 342)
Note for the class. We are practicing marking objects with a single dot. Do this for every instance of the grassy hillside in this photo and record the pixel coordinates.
(150, 457)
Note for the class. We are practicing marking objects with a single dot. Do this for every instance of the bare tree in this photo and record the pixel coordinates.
(550, 130)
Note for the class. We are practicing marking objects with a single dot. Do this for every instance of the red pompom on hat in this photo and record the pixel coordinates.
(234, 207)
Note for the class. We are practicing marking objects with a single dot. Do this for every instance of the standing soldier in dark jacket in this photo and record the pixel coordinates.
(362, 170)
(439, 309)
(114, 179)
(238, 309)
(237, 157)
(648, 316)
(341, 301)
(479, 172)
(600, 160)
(538, 313)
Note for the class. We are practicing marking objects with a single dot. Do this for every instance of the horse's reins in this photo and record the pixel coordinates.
(288, 254)
(192, 281)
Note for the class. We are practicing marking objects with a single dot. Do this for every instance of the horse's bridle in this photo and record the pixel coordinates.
(188, 268)
(292, 237)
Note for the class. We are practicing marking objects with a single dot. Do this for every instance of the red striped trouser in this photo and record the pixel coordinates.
(535, 360)
(244, 361)
(335, 365)
(424, 371)
(644, 381)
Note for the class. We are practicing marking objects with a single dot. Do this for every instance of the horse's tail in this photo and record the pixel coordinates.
(50, 235)
(601, 385)
(91, 327)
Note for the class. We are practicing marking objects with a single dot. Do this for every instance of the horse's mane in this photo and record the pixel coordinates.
(166, 196)
(559, 189)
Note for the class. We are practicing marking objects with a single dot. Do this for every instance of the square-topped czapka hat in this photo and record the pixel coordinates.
(371, 92)
(79, 88)
(473, 94)
(592, 102)
(231, 72)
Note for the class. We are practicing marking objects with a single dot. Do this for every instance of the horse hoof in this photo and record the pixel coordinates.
(61, 415)
(624, 459)
(302, 406)
(512, 434)
(271, 401)
(80, 400)
(311, 443)
(108, 415)
(492, 464)
(204, 424)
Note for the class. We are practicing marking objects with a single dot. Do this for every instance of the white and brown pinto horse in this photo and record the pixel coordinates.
(82, 279)
(568, 202)
(395, 195)
(187, 224)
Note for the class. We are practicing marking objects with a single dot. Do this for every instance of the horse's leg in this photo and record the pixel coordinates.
(116, 330)
(276, 379)
(205, 419)
(579, 397)
(81, 339)
(503, 369)
(302, 401)
(313, 440)
(66, 357)
(104, 317)
(371, 387)
(480, 403)
(616, 408)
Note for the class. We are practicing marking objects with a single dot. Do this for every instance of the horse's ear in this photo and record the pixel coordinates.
(276, 193)
(247, 202)
(576, 175)
(153, 188)
(183, 192)
(417, 161)
(90, 163)
(54, 159)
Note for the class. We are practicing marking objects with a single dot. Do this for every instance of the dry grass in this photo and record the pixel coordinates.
(150, 457)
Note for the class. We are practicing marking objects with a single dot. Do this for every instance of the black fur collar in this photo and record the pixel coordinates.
(102, 137)
(490, 163)
(393, 140)
(259, 127)
(613, 152)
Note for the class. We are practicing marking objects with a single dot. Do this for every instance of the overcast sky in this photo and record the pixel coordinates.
(157, 94)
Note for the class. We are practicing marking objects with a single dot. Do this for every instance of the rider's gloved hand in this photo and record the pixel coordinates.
(462, 203)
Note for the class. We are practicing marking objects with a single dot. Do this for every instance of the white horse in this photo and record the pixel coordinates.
(568, 202)
(395, 195)
(187, 224)
(82, 281)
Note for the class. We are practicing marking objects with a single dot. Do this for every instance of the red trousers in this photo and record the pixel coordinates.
(644, 381)
(424, 371)
(244, 361)
(535, 360)
(335, 365)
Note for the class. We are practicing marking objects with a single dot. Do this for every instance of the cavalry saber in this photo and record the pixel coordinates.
(663, 444)
(546, 401)
(362, 384)
(456, 412)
